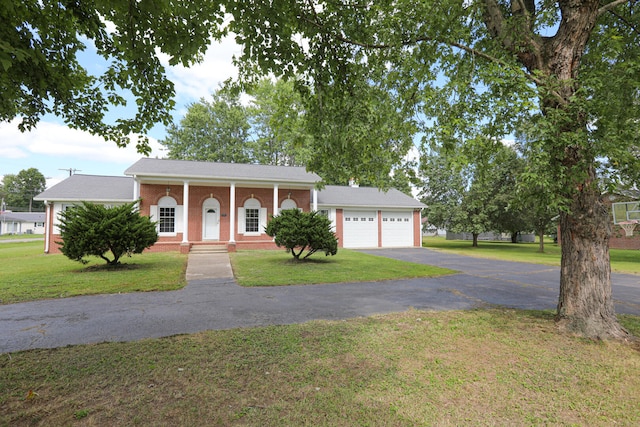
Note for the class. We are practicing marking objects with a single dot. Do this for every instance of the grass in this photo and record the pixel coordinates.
(484, 367)
(28, 274)
(622, 261)
(274, 268)
(21, 236)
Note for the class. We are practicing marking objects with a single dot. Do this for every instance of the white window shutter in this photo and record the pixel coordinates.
(241, 223)
(153, 215)
(179, 218)
(263, 220)
(153, 212)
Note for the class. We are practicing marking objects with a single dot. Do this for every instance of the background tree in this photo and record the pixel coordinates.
(299, 231)
(474, 195)
(41, 70)
(20, 189)
(277, 118)
(95, 230)
(216, 130)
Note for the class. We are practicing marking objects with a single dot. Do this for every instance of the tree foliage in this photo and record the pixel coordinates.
(216, 130)
(95, 230)
(474, 196)
(20, 189)
(41, 69)
(277, 116)
(299, 231)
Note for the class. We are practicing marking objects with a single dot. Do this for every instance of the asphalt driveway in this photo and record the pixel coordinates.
(222, 304)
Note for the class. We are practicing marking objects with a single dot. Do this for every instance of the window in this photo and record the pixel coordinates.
(288, 204)
(167, 220)
(252, 220)
(324, 212)
(168, 215)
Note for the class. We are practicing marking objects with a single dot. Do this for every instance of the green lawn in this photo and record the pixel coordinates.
(622, 261)
(274, 268)
(416, 368)
(28, 274)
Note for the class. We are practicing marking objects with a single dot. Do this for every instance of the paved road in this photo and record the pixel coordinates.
(221, 304)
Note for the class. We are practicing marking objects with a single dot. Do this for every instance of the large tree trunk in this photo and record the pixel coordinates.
(585, 304)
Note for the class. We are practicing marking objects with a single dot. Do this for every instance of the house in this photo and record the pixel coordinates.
(22, 222)
(229, 204)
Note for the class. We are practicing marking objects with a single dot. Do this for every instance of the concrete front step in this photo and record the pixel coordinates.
(208, 249)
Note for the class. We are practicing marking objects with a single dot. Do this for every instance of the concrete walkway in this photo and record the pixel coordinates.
(212, 300)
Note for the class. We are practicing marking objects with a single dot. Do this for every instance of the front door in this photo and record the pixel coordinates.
(211, 224)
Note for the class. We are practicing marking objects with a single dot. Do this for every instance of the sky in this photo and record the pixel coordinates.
(54, 148)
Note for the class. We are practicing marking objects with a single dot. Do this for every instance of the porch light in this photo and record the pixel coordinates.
(289, 195)
(168, 190)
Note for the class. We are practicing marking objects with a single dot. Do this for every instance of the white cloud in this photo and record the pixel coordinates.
(201, 79)
(57, 140)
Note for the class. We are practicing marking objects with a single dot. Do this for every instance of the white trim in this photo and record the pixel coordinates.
(275, 199)
(185, 213)
(232, 212)
(48, 227)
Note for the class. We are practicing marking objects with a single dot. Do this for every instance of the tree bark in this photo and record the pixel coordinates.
(541, 238)
(585, 304)
(475, 240)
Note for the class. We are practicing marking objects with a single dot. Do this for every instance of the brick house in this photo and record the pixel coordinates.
(228, 204)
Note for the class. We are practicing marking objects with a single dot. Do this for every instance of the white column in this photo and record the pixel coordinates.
(315, 199)
(232, 213)
(185, 213)
(275, 200)
(48, 226)
(136, 191)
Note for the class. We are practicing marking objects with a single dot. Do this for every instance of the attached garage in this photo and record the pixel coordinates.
(397, 229)
(360, 229)
(365, 217)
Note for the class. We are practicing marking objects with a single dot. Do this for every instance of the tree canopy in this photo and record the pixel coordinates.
(20, 189)
(41, 69)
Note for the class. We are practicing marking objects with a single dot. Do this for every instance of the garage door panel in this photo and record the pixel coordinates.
(397, 229)
(360, 229)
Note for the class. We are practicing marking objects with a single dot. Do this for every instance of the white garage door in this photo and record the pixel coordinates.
(397, 229)
(360, 229)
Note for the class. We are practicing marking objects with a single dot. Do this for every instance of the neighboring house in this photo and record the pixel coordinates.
(229, 204)
(22, 222)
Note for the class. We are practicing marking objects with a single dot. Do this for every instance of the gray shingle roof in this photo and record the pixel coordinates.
(91, 187)
(23, 216)
(222, 171)
(333, 195)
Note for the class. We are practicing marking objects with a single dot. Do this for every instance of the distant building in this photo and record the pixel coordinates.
(22, 222)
